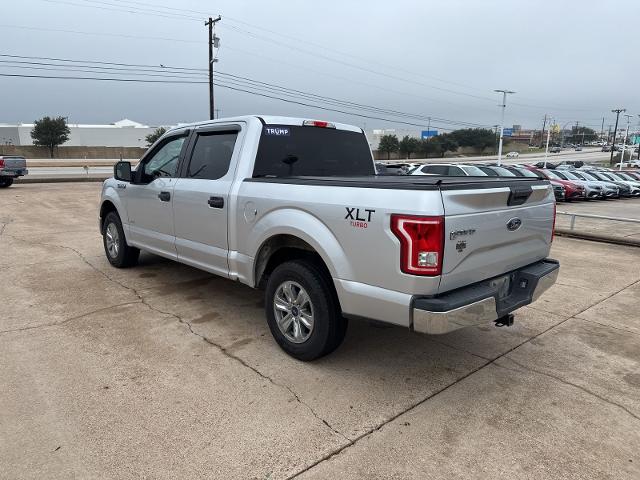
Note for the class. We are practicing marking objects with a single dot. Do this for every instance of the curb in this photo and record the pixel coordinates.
(61, 179)
(597, 238)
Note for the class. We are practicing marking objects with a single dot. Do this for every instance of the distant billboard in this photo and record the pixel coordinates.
(507, 132)
(429, 133)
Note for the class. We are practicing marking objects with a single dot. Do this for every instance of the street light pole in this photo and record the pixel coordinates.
(504, 106)
(624, 142)
(546, 150)
(617, 111)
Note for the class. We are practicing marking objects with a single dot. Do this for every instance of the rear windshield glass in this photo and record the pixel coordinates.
(473, 171)
(286, 150)
(527, 173)
(503, 172)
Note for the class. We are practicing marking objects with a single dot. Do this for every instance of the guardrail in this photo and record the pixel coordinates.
(573, 216)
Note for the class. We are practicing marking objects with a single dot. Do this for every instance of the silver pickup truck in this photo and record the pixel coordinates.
(11, 167)
(294, 207)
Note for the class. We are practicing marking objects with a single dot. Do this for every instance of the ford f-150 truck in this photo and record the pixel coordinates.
(294, 207)
(11, 167)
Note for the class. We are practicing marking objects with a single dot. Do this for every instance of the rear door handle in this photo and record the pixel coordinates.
(164, 196)
(216, 202)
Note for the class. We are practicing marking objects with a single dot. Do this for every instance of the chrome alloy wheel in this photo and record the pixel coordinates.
(112, 240)
(293, 311)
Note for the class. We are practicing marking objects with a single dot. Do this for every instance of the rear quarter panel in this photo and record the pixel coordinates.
(326, 217)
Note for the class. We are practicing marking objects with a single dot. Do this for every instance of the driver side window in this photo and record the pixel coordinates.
(164, 162)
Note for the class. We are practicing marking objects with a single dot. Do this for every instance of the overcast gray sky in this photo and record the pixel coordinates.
(575, 60)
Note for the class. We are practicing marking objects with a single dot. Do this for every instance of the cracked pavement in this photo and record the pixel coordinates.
(164, 371)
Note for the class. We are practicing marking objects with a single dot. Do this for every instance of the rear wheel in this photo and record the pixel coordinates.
(118, 252)
(6, 182)
(302, 310)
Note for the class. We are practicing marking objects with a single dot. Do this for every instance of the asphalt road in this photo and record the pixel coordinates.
(164, 371)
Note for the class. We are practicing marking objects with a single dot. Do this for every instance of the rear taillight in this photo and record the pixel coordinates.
(1, 162)
(421, 243)
(318, 123)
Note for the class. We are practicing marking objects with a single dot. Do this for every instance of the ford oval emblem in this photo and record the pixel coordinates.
(514, 224)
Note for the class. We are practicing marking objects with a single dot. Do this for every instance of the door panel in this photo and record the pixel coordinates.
(201, 199)
(150, 198)
(150, 218)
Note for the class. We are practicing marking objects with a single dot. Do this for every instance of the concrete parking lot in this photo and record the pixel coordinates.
(163, 371)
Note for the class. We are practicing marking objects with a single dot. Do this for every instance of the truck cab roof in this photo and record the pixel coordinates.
(267, 120)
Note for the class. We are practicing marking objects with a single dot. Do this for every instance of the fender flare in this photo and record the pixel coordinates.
(307, 227)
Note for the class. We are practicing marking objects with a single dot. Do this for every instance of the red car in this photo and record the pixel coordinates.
(573, 191)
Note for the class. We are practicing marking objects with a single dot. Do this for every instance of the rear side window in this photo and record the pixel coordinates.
(287, 150)
(211, 155)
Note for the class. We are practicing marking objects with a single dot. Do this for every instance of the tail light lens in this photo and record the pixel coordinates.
(1, 162)
(318, 123)
(421, 243)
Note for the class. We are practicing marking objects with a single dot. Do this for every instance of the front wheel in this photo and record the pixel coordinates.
(118, 252)
(302, 310)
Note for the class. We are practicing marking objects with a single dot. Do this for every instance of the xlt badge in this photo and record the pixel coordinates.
(357, 221)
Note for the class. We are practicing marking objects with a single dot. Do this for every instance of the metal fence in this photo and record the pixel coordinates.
(572, 222)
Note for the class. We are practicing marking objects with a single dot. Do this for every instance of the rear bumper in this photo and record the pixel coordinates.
(485, 301)
(13, 173)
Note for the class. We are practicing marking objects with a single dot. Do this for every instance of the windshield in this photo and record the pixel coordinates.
(588, 176)
(473, 171)
(288, 150)
(625, 176)
(571, 176)
(561, 175)
(527, 173)
(503, 172)
(550, 174)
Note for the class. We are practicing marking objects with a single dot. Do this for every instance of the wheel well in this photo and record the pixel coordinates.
(106, 208)
(282, 248)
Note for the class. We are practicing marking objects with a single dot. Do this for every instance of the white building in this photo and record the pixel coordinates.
(124, 133)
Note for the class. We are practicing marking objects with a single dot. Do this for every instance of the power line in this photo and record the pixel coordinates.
(221, 85)
(160, 71)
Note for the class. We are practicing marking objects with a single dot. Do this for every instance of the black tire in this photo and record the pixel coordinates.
(329, 326)
(6, 182)
(123, 256)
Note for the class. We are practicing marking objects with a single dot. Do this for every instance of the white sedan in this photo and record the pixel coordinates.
(513, 155)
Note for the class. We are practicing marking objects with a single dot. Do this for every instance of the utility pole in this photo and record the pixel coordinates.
(602, 129)
(544, 124)
(624, 142)
(617, 111)
(504, 106)
(213, 42)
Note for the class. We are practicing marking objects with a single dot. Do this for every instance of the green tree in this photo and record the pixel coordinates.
(408, 145)
(152, 137)
(50, 132)
(443, 144)
(577, 136)
(479, 138)
(426, 147)
(388, 144)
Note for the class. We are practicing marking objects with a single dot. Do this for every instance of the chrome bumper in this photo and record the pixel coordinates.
(536, 278)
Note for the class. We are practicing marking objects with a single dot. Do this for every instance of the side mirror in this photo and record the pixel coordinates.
(122, 171)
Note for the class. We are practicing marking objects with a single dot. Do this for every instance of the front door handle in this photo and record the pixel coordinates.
(216, 202)
(164, 196)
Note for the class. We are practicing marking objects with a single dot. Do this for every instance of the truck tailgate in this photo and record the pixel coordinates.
(490, 231)
(14, 163)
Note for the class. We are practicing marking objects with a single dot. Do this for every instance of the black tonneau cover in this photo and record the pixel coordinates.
(406, 182)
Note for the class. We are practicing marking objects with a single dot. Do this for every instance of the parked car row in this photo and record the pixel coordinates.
(569, 183)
